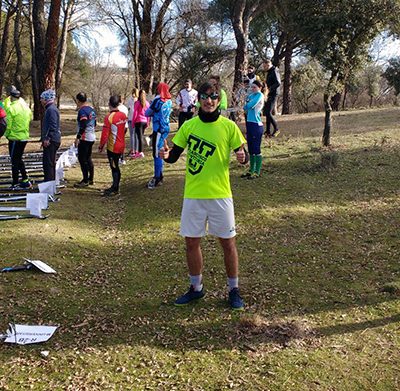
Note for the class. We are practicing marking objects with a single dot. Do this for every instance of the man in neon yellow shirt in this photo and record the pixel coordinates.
(209, 139)
(19, 116)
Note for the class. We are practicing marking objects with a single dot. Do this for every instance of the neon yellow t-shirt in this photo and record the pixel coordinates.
(209, 150)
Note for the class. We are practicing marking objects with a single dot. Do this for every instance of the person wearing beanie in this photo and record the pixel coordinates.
(160, 110)
(19, 116)
(51, 134)
(209, 139)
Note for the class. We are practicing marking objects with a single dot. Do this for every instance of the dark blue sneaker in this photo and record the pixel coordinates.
(189, 296)
(235, 301)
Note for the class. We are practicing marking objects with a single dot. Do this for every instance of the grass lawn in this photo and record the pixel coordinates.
(319, 246)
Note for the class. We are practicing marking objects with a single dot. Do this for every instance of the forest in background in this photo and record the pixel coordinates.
(329, 52)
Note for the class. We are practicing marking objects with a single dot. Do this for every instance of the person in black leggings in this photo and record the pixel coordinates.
(19, 116)
(85, 139)
(273, 82)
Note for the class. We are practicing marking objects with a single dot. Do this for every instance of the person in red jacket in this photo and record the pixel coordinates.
(113, 134)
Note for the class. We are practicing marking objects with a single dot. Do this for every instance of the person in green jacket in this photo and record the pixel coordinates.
(216, 81)
(19, 116)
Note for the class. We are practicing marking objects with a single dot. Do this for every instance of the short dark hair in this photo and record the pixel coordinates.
(114, 101)
(208, 86)
(188, 81)
(81, 97)
(257, 83)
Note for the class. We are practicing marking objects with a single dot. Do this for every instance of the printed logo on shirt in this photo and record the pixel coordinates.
(198, 152)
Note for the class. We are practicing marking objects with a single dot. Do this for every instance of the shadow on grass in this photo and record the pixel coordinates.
(301, 262)
(354, 327)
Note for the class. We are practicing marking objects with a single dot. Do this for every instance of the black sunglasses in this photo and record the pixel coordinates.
(213, 96)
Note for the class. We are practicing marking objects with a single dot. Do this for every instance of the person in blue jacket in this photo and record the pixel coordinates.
(254, 129)
(160, 110)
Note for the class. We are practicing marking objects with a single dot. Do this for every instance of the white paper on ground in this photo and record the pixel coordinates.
(44, 267)
(25, 334)
(59, 175)
(35, 202)
(48, 187)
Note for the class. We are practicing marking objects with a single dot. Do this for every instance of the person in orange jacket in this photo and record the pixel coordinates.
(113, 135)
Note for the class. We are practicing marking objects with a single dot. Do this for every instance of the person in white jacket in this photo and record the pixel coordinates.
(186, 100)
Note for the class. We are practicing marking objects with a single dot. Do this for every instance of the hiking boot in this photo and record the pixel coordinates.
(246, 175)
(189, 296)
(110, 192)
(235, 301)
(81, 184)
(91, 182)
(25, 184)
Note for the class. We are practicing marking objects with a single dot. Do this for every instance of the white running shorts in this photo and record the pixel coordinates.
(218, 214)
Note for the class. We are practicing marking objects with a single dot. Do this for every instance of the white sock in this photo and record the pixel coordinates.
(196, 282)
(233, 283)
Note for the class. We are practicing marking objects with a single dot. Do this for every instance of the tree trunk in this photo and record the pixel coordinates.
(4, 44)
(18, 51)
(287, 81)
(344, 97)
(149, 40)
(34, 77)
(335, 101)
(241, 31)
(39, 41)
(62, 50)
(51, 44)
(326, 137)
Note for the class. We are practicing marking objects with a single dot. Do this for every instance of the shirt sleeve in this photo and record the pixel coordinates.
(105, 131)
(237, 139)
(180, 139)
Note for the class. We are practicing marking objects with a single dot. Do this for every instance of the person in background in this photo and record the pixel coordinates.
(223, 102)
(273, 82)
(186, 100)
(160, 110)
(123, 109)
(140, 122)
(209, 139)
(251, 74)
(3, 120)
(131, 110)
(113, 135)
(19, 116)
(254, 129)
(51, 134)
(85, 138)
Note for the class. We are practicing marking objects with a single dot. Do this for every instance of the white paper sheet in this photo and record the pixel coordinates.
(48, 187)
(44, 267)
(25, 334)
(35, 202)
